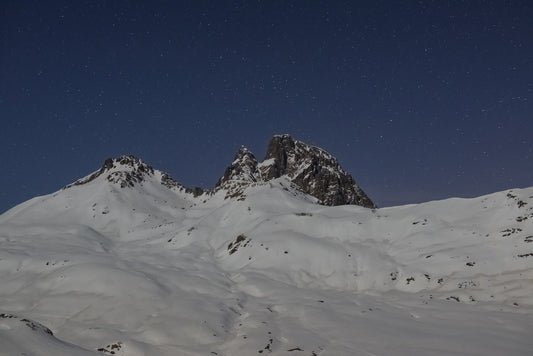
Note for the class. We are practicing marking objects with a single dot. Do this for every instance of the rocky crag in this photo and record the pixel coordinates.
(311, 169)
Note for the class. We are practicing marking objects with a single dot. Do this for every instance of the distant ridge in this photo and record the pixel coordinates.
(310, 169)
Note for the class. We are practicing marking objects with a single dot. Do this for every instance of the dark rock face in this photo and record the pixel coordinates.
(241, 173)
(311, 169)
(243, 168)
(314, 171)
(281, 150)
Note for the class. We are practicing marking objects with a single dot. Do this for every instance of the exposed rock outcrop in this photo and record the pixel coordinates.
(310, 170)
(313, 170)
(243, 168)
(126, 171)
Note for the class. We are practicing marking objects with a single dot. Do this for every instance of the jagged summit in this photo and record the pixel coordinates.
(243, 168)
(123, 170)
(312, 169)
(127, 171)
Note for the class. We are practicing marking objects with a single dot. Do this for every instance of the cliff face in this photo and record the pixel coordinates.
(311, 169)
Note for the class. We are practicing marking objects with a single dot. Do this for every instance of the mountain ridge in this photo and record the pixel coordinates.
(129, 261)
(225, 276)
(311, 169)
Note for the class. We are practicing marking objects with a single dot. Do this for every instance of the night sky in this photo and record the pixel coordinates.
(418, 100)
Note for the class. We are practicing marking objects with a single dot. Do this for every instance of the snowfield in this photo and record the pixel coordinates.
(125, 264)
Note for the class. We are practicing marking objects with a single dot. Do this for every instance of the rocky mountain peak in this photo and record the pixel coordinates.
(243, 168)
(242, 172)
(312, 169)
(124, 170)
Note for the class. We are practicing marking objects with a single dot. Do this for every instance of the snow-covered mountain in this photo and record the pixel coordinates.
(126, 261)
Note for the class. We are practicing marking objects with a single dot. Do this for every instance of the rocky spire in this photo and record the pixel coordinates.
(239, 175)
(311, 169)
(243, 168)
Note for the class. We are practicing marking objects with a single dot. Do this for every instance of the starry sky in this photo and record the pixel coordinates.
(419, 100)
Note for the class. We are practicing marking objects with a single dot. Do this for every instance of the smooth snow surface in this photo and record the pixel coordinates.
(151, 270)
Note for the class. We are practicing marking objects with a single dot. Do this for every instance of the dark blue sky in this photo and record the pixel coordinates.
(418, 100)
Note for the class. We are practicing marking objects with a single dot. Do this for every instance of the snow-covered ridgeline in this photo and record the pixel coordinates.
(151, 268)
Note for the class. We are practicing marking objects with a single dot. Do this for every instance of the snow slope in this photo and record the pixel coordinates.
(141, 266)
